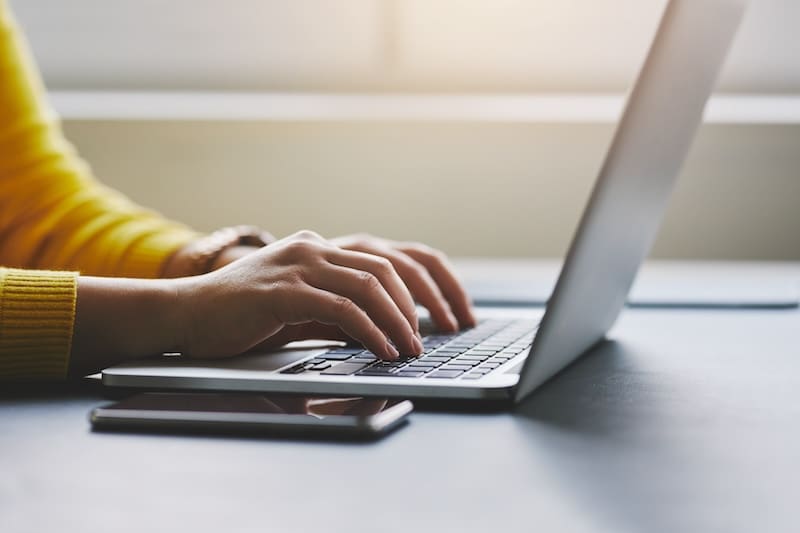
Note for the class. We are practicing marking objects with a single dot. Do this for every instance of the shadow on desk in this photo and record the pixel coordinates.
(29, 392)
(590, 432)
(600, 393)
(634, 439)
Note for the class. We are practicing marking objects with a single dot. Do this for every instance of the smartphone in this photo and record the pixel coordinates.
(248, 413)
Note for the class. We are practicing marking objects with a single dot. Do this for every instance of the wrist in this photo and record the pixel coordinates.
(231, 254)
(118, 319)
(215, 250)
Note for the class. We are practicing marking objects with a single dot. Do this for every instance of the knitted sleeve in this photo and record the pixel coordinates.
(55, 219)
(37, 312)
(53, 213)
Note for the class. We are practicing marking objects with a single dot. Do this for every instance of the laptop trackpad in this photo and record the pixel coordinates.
(263, 362)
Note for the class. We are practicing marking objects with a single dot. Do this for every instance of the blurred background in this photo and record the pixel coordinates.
(474, 125)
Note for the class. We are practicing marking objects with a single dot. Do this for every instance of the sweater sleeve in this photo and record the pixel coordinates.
(53, 213)
(55, 219)
(37, 312)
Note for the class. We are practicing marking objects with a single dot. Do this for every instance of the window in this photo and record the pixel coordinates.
(380, 45)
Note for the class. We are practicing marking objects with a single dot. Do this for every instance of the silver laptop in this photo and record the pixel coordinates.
(508, 359)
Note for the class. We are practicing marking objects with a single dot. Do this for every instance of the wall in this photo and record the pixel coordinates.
(489, 187)
(470, 188)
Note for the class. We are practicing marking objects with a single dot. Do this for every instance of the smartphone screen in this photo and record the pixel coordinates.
(253, 413)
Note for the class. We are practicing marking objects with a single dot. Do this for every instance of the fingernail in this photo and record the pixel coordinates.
(418, 347)
(392, 351)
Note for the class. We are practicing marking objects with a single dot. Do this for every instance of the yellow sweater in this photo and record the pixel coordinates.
(55, 216)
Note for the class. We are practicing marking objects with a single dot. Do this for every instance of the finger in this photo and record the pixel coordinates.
(420, 283)
(442, 272)
(381, 268)
(310, 304)
(306, 235)
(366, 290)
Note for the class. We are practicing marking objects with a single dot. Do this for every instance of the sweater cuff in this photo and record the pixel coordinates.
(37, 315)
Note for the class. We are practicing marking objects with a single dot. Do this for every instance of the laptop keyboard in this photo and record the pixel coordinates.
(467, 354)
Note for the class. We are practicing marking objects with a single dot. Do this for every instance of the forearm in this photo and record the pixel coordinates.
(118, 319)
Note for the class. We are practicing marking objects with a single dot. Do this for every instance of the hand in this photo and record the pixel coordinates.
(291, 288)
(426, 272)
(298, 288)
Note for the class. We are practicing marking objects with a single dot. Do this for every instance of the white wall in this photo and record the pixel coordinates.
(470, 188)
(440, 181)
(353, 45)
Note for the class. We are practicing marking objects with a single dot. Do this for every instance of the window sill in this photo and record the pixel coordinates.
(556, 108)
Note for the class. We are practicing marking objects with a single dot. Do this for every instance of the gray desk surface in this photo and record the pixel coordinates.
(660, 283)
(683, 421)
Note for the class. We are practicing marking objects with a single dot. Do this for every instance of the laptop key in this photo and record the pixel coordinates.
(476, 358)
(389, 364)
(457, 347)
(447, 374)
(344, 369)
(363, 359)
(377, 371)
(481, 352)
(463, 368)
(408, 374)
(296, 369)
(336, 356)
(433, 357)
(424, 364)
(353, 350)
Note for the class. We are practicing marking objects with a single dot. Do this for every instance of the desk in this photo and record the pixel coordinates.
(683, 421)
(660, 283)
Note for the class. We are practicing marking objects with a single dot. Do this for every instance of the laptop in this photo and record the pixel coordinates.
(507, 359)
